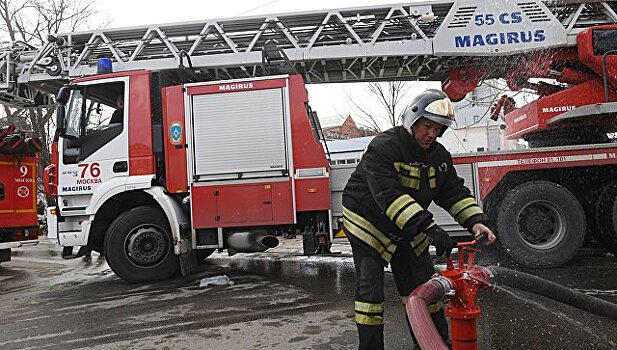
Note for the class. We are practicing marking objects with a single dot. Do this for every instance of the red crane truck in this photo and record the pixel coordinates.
(544, 199)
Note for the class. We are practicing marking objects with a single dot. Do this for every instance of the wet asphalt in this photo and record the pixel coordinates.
(278, 300)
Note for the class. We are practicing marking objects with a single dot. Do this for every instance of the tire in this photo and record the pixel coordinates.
(541, 224)
(129, 247)
(606, 217)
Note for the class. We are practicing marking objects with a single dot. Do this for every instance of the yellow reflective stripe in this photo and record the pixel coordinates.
(362, 223)
(384, 252)
(409, 212)
(432, 178)
(409, 176)
(422, 247)
(418, 239)
(409, 182)
(369, 320)
(410, 170)
(396, 206)
(371, 308)
(467, 213)
(359, 227)
(458, 206)
(435, 307)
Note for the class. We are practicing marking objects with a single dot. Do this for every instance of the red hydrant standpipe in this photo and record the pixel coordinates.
(462, 309)
(465, 279)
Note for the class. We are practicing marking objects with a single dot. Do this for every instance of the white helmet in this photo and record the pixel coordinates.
(431, 104)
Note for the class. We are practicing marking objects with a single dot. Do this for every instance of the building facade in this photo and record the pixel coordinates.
(348, 129)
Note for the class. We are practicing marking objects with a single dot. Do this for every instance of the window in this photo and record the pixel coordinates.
(105, 105)
(94, 116)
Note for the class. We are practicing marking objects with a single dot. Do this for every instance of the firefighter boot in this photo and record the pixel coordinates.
(371, 337)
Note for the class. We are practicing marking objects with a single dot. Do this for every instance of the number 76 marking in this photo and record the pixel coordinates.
(95, 169)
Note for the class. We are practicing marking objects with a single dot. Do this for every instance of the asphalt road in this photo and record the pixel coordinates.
(278, 300)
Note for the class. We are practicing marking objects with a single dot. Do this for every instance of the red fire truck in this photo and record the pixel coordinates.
(19, 224)
(216, 146)
(228, 164)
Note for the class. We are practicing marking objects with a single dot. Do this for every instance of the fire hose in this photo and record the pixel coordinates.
(460, 285)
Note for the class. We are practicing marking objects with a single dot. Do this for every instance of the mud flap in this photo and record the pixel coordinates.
(188, 263)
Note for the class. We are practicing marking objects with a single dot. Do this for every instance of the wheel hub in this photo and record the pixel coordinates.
(541, 225)
(147, 245)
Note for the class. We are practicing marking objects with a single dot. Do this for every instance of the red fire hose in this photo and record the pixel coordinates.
(465, 280)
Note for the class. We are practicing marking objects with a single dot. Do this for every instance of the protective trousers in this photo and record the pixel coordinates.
(409, 271)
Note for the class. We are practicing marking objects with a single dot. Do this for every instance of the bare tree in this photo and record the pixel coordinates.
(29, 22)
(391, 97)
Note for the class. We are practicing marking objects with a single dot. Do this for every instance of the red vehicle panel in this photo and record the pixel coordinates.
(312, 194)
(492, 168)
(307, 152)
(18, 197)
(174, 133)
(535, 115)
(242, 205)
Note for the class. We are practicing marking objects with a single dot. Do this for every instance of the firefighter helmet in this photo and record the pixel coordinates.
(431, 104)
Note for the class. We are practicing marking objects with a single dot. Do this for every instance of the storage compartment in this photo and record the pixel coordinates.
(267, 203)
(239, 135)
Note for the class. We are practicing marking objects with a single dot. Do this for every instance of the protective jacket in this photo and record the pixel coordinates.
(385, 200)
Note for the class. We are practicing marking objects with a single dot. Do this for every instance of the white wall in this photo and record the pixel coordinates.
(474, 130)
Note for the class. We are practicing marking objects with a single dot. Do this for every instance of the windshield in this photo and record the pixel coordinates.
(73, 117)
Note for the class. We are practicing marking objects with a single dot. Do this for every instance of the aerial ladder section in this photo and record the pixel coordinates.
(408, 41)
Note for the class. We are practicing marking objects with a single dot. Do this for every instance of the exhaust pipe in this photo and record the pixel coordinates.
(250, 242)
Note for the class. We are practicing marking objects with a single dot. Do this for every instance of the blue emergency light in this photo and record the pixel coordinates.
(103, 65)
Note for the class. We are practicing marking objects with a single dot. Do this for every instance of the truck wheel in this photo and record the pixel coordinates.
(606, 217)
(541, 224)
(138, 246)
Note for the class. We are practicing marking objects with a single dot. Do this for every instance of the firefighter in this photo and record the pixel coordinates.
(385, 212)
(118, 115)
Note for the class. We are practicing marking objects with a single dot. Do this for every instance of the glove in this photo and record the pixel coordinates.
(441, 240)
